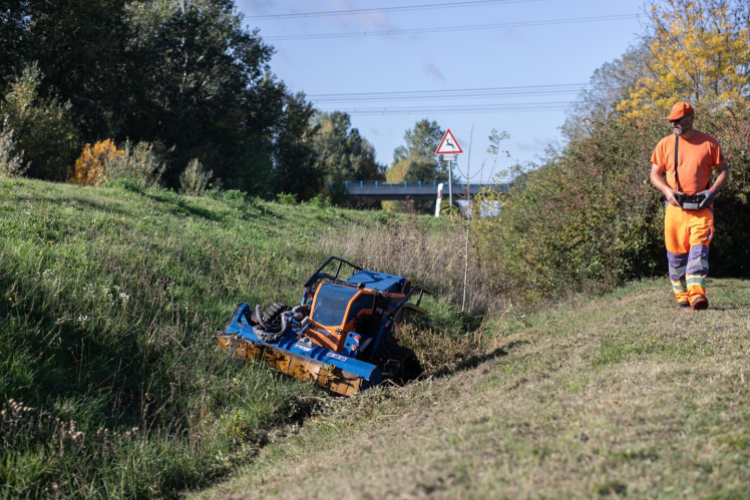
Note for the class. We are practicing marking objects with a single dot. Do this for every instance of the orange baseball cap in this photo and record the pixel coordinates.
(679, 110)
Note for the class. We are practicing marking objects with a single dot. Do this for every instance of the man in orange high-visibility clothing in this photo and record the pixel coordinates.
(688, 157)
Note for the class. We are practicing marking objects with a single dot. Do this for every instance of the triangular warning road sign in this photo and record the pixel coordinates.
(448, 145)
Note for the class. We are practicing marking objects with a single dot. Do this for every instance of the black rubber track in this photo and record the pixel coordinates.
(397, 363)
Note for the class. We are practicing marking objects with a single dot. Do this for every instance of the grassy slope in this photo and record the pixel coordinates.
(620, 395)
(108, 300)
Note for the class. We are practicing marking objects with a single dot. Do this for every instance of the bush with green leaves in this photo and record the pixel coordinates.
(142, 163)
(320, 201)
(730, 254)
(126, 184)
(589, 218)
(42, 127)
(11, 161)
(286, 198)
(214, 191)
(194, 178)
(235, 198)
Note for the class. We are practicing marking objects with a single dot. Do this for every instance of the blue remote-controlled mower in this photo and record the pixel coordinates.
(342, 336)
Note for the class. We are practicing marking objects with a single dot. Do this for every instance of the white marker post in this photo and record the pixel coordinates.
(450, 148)
(439, 199)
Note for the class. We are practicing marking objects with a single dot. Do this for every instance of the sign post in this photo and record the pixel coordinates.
(450, 148)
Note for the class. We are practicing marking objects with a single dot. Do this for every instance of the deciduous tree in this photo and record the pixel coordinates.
(14, 24)
(419, 150)
(201, 84)
(343, 153)
(700, 53)
(416, 160)
(608, 86)
(295, 169)
(185, 74)
(78, 46)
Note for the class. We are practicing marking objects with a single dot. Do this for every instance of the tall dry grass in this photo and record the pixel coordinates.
(413, 246)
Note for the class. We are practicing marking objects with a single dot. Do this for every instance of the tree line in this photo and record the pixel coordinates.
(182, 77)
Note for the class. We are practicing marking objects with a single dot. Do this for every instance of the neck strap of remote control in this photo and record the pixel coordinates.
(676, 161)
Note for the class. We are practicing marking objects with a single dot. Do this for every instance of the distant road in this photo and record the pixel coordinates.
(415, 190)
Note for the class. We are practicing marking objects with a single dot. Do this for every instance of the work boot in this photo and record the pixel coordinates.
(700, 304)
(683, 304)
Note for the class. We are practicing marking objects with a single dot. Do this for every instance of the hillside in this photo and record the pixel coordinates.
(623, 395)
(112, 386)
(110, 381)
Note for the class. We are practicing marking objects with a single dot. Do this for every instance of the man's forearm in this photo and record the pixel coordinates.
(658, 182)
(721, 179)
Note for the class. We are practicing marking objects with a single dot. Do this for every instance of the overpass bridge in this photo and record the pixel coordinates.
(415, 190)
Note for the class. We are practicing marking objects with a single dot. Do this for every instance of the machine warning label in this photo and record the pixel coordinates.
(305, 346)
(336, 356)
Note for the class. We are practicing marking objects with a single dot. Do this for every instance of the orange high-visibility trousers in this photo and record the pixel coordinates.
(687, 234)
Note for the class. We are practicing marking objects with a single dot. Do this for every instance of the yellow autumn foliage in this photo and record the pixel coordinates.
(397, 173)
(701, 52)
(91, 167)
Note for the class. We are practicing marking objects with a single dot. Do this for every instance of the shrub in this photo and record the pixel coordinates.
(42, 128)
(320, 201)
(286, 198)
(194, 179)
(241, 201)
(730, 253)
(214, 190)
(140, 162)
(132, 185)
(91, 167)
(589, 218)
(235, 198)
(11, 164)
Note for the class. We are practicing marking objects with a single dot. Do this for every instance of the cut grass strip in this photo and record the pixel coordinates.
(619, 396)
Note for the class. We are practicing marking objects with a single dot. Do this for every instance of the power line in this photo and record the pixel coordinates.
(388, 9)
(452, 94)
(433, 112)
(444, 29)
(460, 109)
(515, 87)
(453, 97)
(455, 28)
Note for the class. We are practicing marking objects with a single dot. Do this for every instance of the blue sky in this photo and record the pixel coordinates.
(536, 59)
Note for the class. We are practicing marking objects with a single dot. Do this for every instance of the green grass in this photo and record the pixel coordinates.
(624, 395)
(112, 387)
(108, 301)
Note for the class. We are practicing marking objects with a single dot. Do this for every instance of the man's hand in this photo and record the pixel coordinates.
(658, 181)
(671, 195)
(708, 198)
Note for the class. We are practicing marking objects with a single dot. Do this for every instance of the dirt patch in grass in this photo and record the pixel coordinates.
(621, 396)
